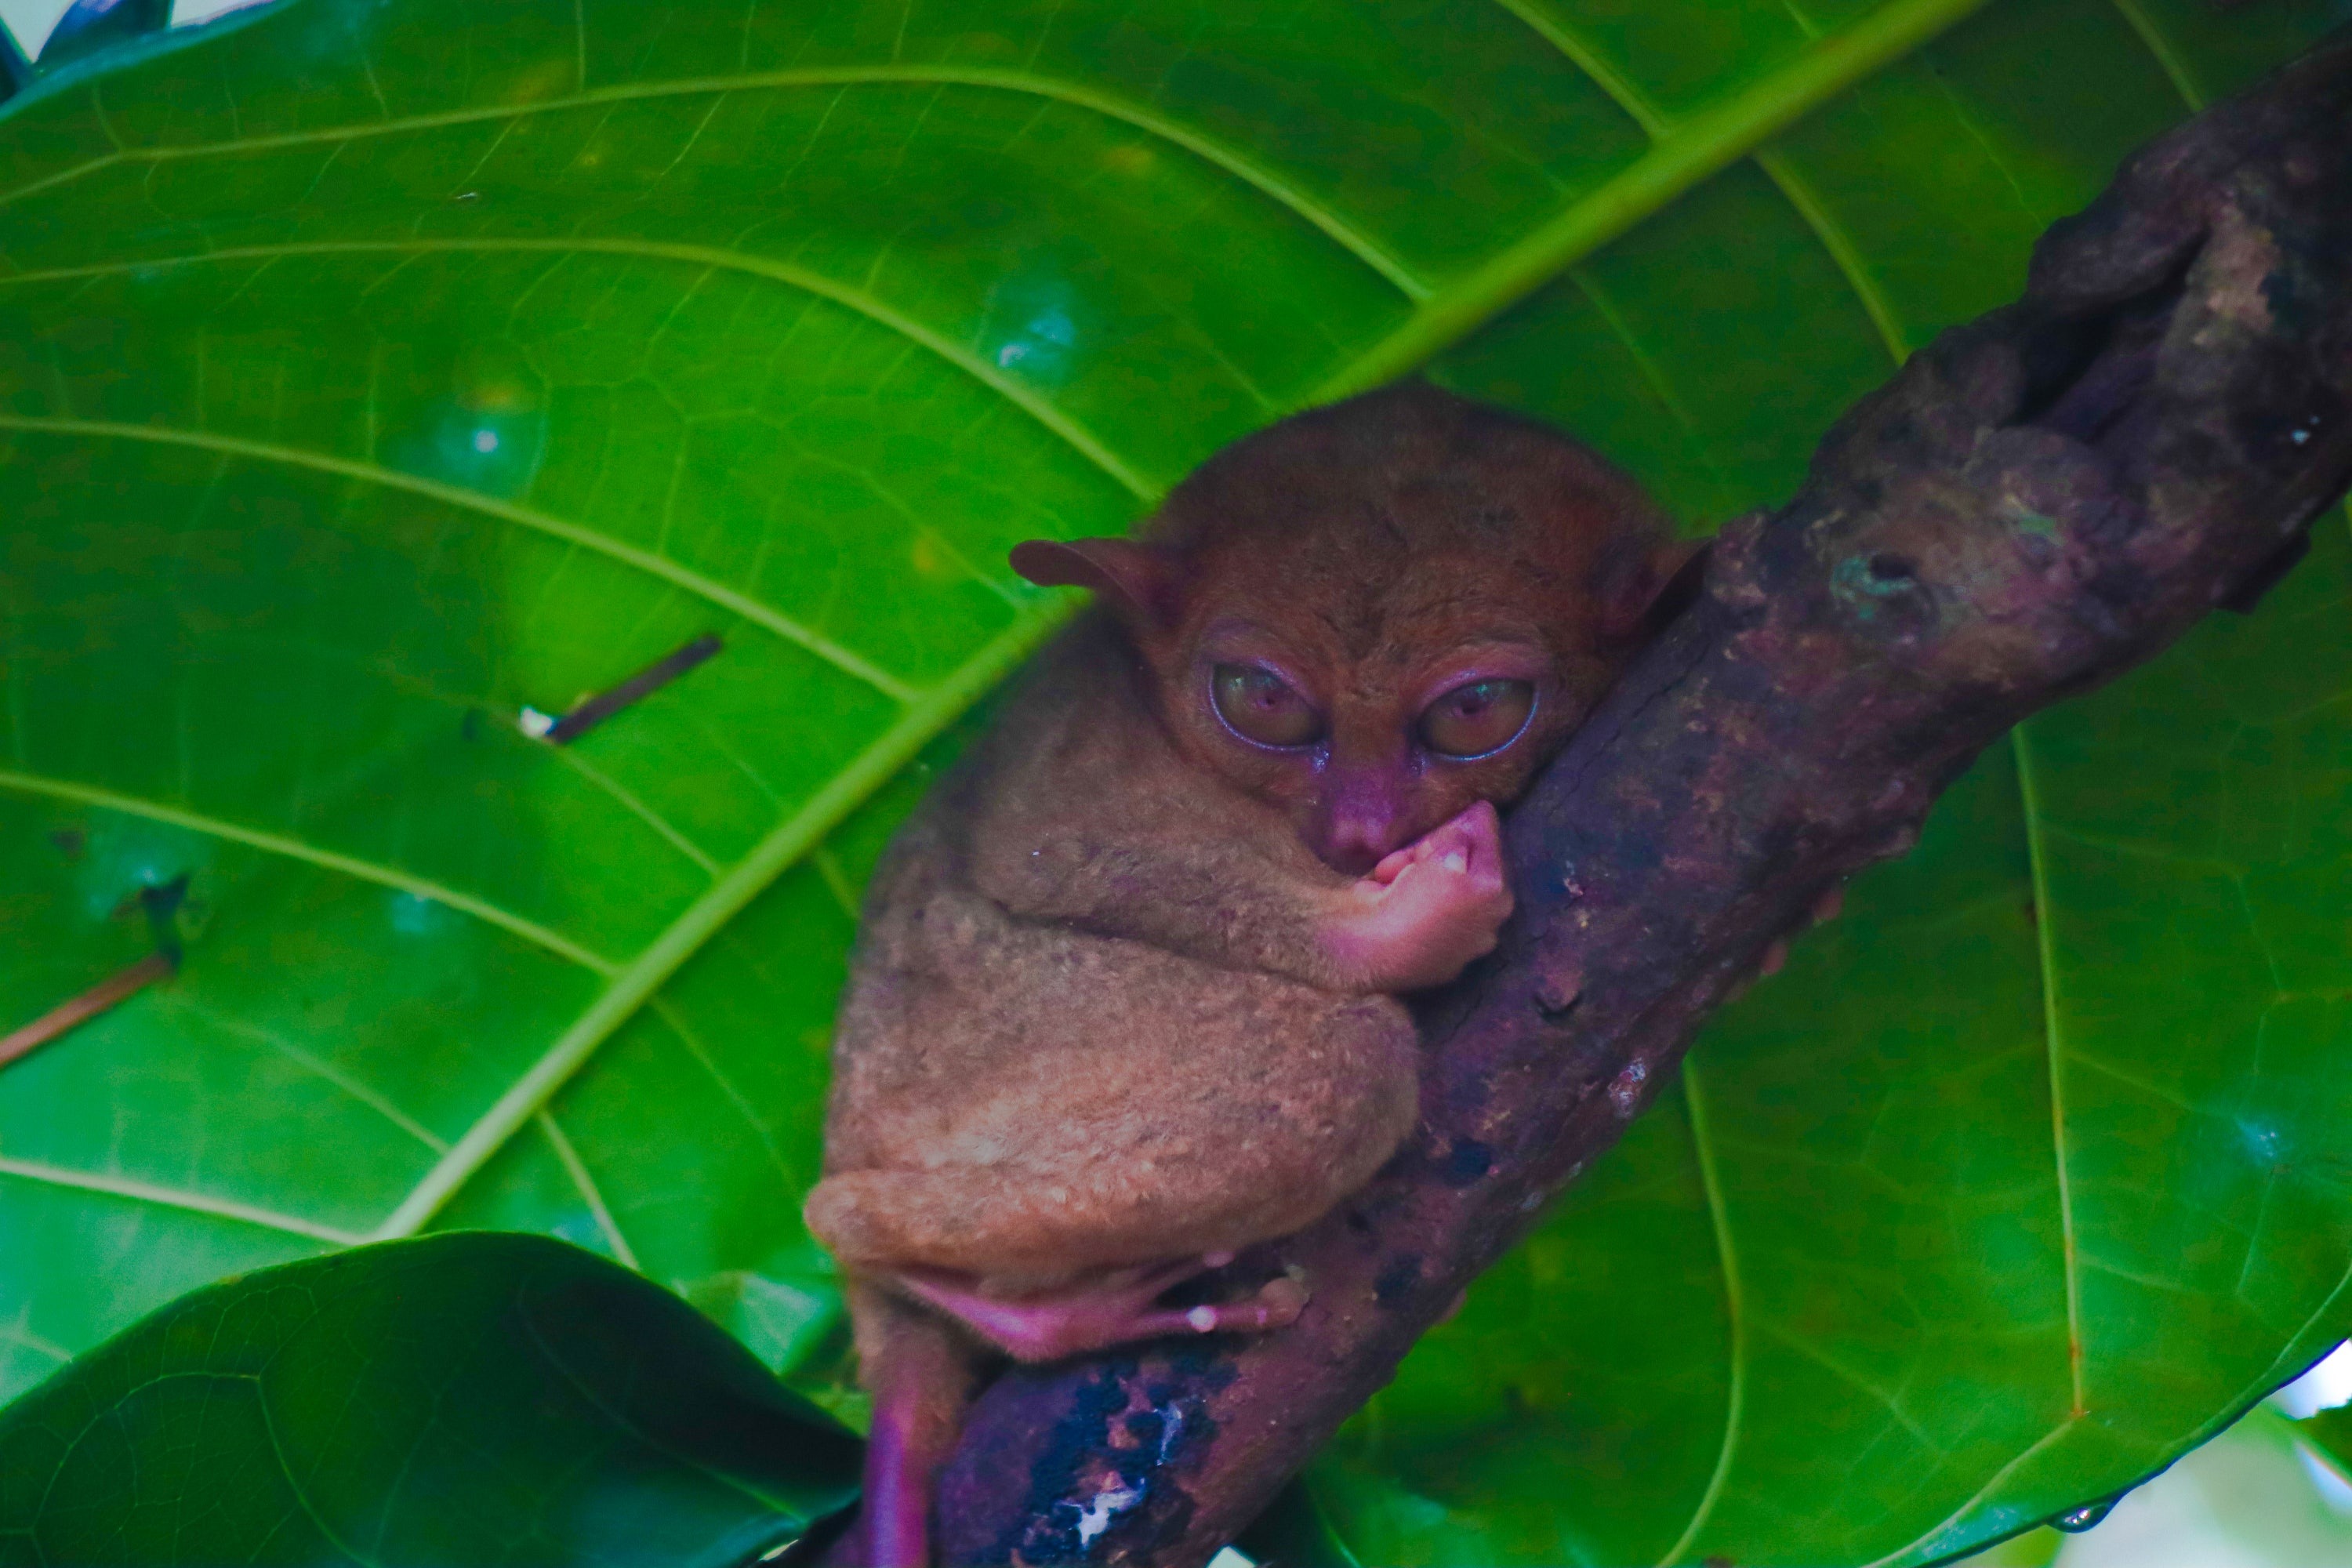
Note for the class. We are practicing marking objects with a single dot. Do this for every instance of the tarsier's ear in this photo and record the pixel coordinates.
(1141, 581)
(1652, 586)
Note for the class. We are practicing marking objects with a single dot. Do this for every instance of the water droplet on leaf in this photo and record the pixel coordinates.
(2077, 1521)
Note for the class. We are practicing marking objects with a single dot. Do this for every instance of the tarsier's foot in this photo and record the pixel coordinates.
(1097, 1316)
(1428, 909)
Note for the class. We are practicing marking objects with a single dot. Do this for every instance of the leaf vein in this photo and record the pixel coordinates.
(1264, 180)
(628, 799)
(173, 1197)
(177, 1001)
(1800, 194)
(695, 1047)
(2000, 1476)
(295, 850)
(645, 561)
(1735, 1309)
(1692, 152)
(584, 1183)
(2176, 68)
(1620, 88)
(2045, 921)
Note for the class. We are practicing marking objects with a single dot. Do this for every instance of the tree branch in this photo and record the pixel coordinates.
(2038, 501)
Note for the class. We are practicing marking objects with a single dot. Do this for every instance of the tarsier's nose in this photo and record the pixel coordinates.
(1362, 820)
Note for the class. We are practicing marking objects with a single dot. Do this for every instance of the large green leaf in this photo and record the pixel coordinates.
(459, 1399)
(368, 371)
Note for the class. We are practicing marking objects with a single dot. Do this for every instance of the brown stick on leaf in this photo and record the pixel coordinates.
(2039, 501)
(76, 1011)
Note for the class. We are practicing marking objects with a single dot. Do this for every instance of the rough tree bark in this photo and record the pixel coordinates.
(2038, 501)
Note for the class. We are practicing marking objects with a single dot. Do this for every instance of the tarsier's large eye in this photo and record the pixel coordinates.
(1261, 706)
(1484, 716)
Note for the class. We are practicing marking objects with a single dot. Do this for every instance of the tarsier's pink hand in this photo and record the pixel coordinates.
(1427, 910)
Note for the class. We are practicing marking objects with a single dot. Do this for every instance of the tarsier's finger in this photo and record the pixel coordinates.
(1452, 844)
(1481, 838)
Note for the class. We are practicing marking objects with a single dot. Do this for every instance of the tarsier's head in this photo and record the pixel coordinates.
(1376, 613)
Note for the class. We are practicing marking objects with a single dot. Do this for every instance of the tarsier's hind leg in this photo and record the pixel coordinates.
(921, 1376)
(1098, 1316)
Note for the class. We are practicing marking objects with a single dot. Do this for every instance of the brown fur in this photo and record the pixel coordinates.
(1122, 991)
(1028, 1085)
(1377, 538)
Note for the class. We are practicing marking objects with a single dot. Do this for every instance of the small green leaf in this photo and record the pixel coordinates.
(464, 1399)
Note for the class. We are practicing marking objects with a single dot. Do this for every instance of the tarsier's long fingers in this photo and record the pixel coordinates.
(1468, 837)
(1048, 1328)
(1445, 896)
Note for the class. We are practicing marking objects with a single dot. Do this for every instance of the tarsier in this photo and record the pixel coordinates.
(1125, 999)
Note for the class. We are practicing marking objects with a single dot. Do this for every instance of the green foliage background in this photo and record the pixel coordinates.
(372, 369)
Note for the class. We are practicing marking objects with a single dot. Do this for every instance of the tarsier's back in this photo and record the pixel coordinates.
(1125, 999)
